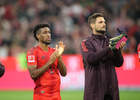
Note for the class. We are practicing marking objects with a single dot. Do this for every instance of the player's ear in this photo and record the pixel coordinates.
(92, 25)
(38, 36)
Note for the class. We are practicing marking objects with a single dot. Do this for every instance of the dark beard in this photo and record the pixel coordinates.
(47, 43)
(100, 31)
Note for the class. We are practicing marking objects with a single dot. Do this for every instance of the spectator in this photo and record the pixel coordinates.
(18, 17)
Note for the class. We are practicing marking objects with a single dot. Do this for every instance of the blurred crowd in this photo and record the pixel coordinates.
(68, 22)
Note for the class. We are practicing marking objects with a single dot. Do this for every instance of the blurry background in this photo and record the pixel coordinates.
(68, 23)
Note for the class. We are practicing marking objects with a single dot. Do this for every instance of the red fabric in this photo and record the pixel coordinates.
(84, 46)
(49, 83)
(132, 30)
(9, 14)
(38, 97)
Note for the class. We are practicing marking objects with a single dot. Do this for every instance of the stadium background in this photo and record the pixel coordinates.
(68, 21)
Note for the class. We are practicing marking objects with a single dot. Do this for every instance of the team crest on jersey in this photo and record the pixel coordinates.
(31, 58)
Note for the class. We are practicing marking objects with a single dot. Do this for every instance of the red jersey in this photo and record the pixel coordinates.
(47, 84)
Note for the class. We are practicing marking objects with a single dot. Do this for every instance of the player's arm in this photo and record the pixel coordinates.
(35, 73)
(61, 66)
(90, 54)
(118, 58)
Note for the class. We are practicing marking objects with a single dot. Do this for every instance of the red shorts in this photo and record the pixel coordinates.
(39, 97)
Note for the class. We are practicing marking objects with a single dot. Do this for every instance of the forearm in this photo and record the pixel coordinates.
(61, 66)
(118, 58)
(35, 73)
(95, 57)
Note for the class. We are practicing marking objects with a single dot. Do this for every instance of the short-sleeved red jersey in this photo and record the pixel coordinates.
(47, 84)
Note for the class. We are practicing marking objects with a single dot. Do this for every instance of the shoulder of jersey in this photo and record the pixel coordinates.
(52, 49)
(32, 50)
(86, 39)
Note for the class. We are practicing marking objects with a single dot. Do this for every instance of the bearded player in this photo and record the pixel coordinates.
(45, 64)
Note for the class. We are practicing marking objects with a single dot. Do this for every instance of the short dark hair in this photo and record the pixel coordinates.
(93, 17)
(37, 27)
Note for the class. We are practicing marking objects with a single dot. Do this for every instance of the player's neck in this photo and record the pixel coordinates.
(44, 46)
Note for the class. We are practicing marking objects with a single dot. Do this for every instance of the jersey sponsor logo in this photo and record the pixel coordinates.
(31, 58)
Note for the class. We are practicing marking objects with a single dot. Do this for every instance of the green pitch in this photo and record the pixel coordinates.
(66, 95)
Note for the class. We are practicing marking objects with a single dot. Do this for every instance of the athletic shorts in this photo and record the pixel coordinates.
(39, 97)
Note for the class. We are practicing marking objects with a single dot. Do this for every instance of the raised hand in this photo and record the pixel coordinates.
(61, 48)
(54, 55)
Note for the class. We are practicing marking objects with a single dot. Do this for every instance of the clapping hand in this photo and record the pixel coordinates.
(58, 51)
(61, 48)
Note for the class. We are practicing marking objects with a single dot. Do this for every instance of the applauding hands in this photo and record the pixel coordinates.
(61, 48)
(58, 51)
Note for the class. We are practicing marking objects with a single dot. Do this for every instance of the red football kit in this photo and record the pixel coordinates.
(48, 84)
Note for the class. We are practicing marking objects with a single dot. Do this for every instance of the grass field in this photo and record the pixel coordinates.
(66, 95)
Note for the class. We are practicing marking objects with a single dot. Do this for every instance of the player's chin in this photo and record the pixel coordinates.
(47, 42)
(103, 29)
